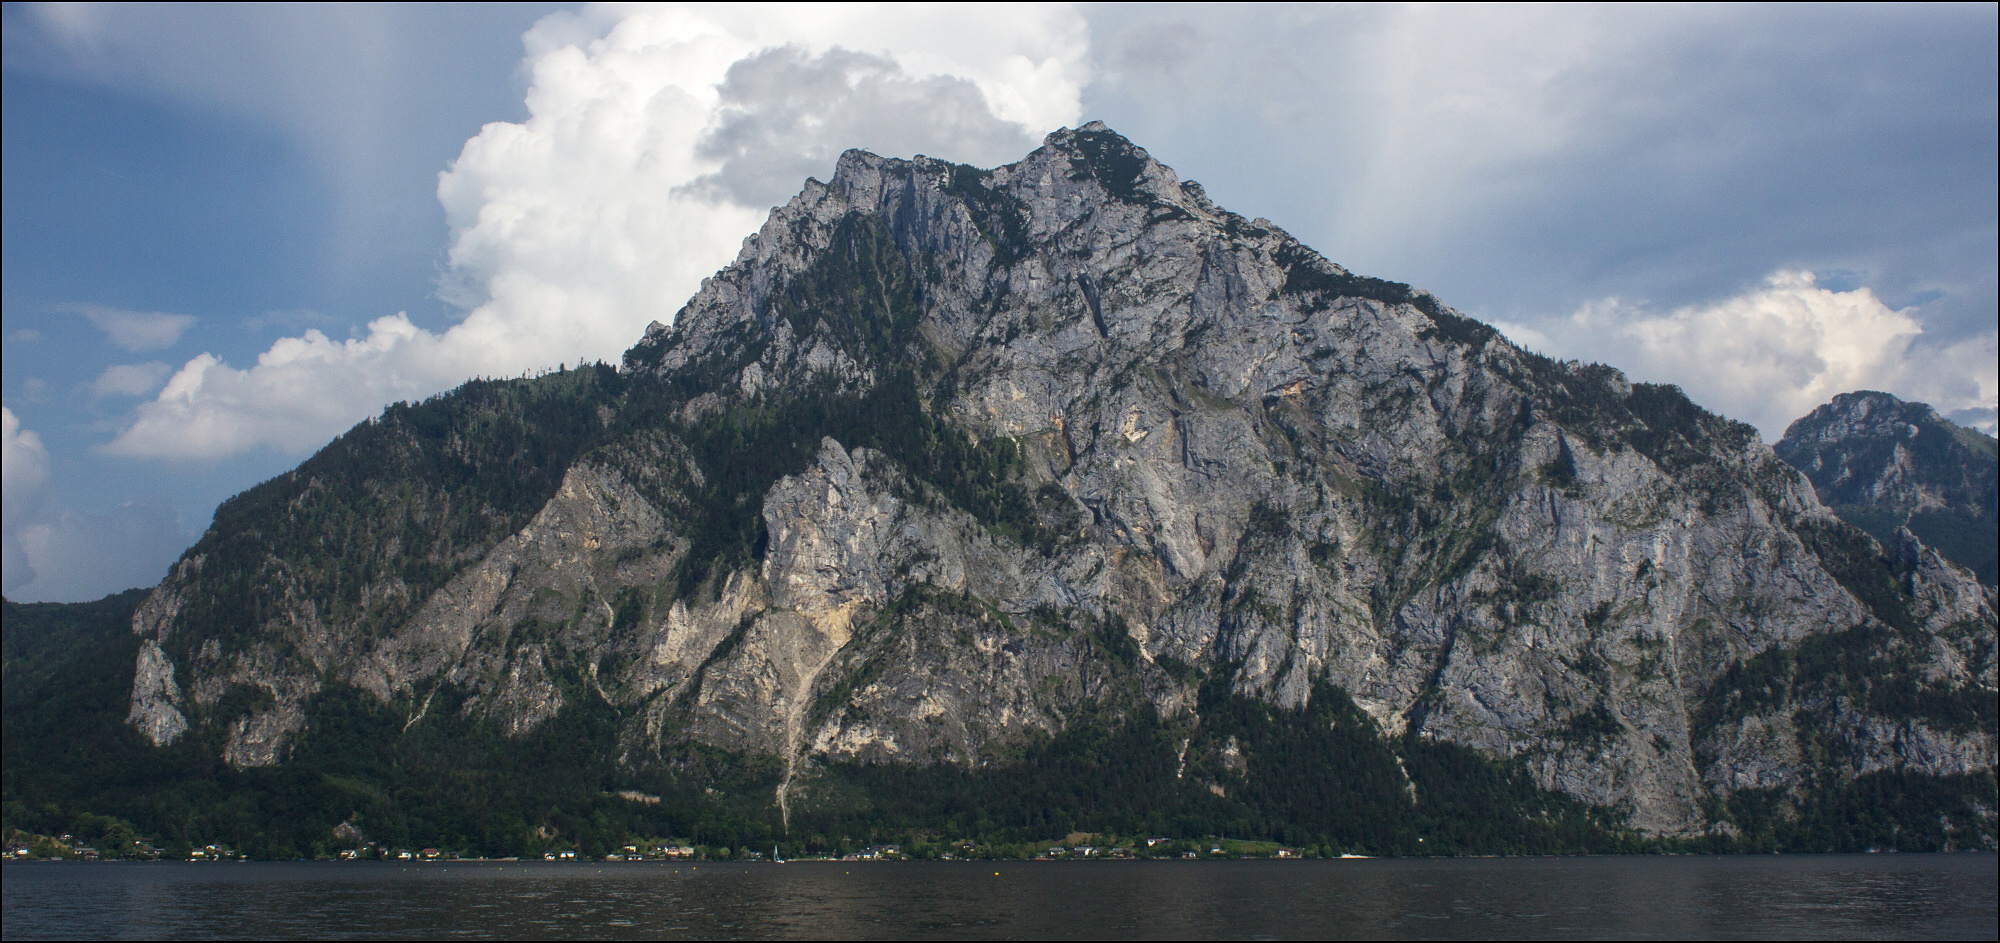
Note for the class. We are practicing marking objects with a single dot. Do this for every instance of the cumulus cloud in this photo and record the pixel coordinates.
(24, 469)
(137, 330)
(657, 139)
(51, 552)
(300, 392)
(129, 379)
(74, 556)
(786, 113)
(1771, 354)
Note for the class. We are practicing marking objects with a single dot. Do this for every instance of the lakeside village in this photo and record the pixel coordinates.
(21, 846)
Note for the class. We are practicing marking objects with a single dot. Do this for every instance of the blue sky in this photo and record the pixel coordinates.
(227, 236)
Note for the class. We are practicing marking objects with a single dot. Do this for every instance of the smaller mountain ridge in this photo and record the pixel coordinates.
(1885, 464)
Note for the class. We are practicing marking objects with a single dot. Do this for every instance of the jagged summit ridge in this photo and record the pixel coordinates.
(974, 219)
(949, 458)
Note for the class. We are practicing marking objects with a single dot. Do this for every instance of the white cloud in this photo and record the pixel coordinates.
(24, 463)
(50, 552)
(71, 556)
(24, 469)
(1772, 354)
(786, 114)
(657, 138)
(301, 391)
(137, 330)
(129, 379)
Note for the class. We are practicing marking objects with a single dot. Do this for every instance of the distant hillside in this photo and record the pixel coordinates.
(1884, 464)
(40, 640)
(68, 679)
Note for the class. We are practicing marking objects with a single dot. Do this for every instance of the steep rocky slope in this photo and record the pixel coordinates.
(1884, 464)
(950, 462)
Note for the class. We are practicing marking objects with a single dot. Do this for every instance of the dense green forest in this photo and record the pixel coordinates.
(1323, 780)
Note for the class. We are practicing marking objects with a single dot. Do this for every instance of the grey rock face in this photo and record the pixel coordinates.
(156, 699)
(1228, 456)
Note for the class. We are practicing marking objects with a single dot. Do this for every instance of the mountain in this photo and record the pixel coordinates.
(1006, 503)
(1884, 464)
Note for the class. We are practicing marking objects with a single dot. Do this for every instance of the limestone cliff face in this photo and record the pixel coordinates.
(949, 457)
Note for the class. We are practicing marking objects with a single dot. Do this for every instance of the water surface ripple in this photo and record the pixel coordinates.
(1876, 896)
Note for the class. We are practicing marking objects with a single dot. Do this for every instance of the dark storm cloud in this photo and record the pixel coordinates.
(1525, 162)
(1859, 139)
(1673, 156)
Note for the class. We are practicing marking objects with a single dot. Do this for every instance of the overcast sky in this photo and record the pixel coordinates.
(233, 231)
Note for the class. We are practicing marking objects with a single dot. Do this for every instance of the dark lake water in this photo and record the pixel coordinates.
(1877, 896)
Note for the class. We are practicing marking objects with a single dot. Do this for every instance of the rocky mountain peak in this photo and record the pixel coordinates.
(1862, 413)
(1870, 448)
(950, 459)
(1884, 464)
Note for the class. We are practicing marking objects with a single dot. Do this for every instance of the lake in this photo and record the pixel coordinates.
(1878, 896)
